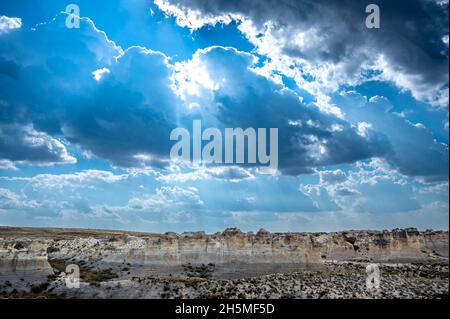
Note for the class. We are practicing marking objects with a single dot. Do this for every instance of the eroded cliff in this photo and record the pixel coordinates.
(30, 251)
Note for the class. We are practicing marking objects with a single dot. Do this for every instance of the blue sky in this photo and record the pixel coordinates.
(86, 114)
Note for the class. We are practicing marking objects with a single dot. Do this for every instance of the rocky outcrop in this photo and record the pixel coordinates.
(399, 245)
(232, 245)
(22, 255)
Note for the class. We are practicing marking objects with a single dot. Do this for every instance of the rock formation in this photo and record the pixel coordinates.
(19, 253)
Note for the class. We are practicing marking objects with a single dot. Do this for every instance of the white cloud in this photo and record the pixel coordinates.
(83, 179)
(332, 177)
(315, 45)
(11, 200)
(25, 145)
(438, 189)
(6, 164)
(225, 173)
(99, 73)
(445, 39)
(9, 23)
(191, 18)
(165, 199)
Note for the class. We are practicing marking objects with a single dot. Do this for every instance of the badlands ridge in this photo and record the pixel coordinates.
(29, 249)
(230, 264)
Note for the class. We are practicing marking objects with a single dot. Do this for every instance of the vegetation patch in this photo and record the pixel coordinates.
(87, 274)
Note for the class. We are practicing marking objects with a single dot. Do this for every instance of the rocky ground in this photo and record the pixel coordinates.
(332, 280)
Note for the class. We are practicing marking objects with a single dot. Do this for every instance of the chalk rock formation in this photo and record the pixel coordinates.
(232, 245)
(24, 255)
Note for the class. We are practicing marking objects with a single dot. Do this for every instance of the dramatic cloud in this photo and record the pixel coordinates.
(414, 151)
(125, 114)
(329, 42)
(23, 144)
(46, 81)
(361, 143)
(232, 94)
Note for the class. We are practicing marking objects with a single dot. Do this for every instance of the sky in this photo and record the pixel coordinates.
(86, 114)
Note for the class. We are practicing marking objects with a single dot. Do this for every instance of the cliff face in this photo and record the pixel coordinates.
(399, 245)
(24, 256)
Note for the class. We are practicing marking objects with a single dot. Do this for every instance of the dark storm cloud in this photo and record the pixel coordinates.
(24, 144)
(124, 112)
(121, 105)
(410, 38)
(128, 116)
(307, 137)
(47, 83)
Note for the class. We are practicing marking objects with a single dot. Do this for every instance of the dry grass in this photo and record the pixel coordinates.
(64, 233)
